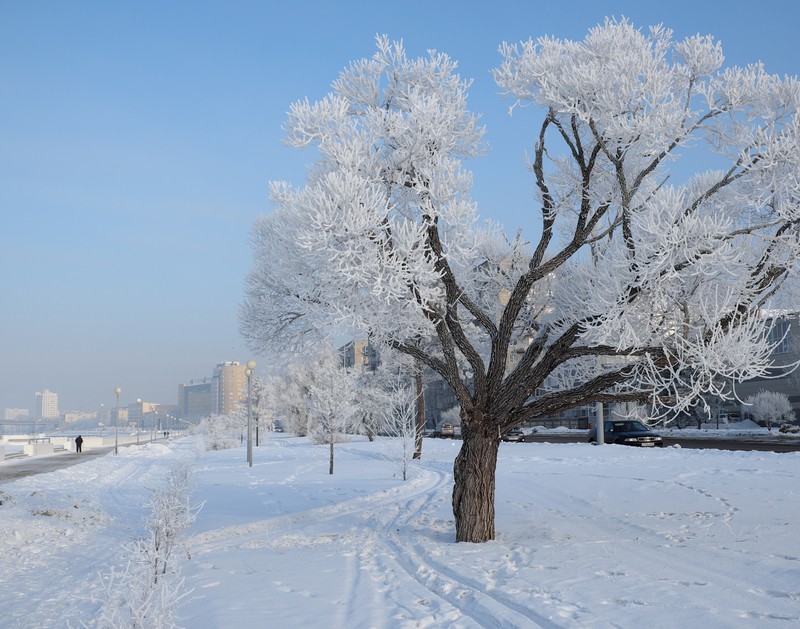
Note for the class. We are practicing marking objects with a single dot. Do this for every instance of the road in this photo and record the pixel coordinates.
(766, 444)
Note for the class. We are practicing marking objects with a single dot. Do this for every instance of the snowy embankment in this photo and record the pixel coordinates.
(587, 537)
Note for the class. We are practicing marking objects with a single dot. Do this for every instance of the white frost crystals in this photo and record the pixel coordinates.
(390, 142)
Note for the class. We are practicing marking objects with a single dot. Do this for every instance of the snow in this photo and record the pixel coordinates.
(586, 537)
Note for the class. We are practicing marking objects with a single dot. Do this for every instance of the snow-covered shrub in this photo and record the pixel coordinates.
(770, 407)
(226, 431)
(148, 590)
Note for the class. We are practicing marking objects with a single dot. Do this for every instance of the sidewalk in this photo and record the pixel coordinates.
(20, 467)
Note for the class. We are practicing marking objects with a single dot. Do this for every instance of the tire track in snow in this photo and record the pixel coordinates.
(364, 593)
(235, 535)
(364, 600)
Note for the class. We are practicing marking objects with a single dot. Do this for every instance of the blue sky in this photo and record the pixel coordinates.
(137, 141)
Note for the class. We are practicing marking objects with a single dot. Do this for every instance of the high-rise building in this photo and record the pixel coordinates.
(46, 404)
(198, 399)
(232, 385)
(222, 393)
(359, 356)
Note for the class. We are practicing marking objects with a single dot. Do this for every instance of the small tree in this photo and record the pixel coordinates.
(147, 592)
(375, 387)
(260, 407)
(287, 395)
(770, 407)
(397, 415)
(329, 395)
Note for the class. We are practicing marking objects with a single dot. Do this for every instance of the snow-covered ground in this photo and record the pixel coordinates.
(586, 537)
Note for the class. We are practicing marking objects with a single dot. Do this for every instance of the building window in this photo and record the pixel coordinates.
(779, 334)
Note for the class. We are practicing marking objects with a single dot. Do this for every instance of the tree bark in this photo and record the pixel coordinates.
(420, 413)
(474, 474)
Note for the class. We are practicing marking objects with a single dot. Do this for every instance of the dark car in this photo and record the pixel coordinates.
(515, 434)
(628, 432)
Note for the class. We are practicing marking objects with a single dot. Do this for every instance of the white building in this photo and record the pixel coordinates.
(16, 413)
(46, 404)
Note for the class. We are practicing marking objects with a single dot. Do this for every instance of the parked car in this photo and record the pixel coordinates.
(515, 434)
(628, 432)
(447, 431)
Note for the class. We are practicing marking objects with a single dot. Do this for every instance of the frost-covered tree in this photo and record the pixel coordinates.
(398, 417)
(640, 283)
(259, 407)
(770, 407)
(287, 394)
(224, 432)
(370, 399)
(333, 403)
(376, 387)
(331, 400)
(387, 400)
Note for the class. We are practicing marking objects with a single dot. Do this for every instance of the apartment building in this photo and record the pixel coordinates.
(46, 405)
(222, 393)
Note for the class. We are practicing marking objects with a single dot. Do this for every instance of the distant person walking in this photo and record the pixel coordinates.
(78, 443)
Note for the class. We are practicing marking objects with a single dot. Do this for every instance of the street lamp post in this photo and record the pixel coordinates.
(139, 419)
(251, 365)
(117, 390)
(600, 432)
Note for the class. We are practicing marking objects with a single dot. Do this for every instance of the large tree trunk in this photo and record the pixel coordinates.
(474, 474)
(420, 428)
